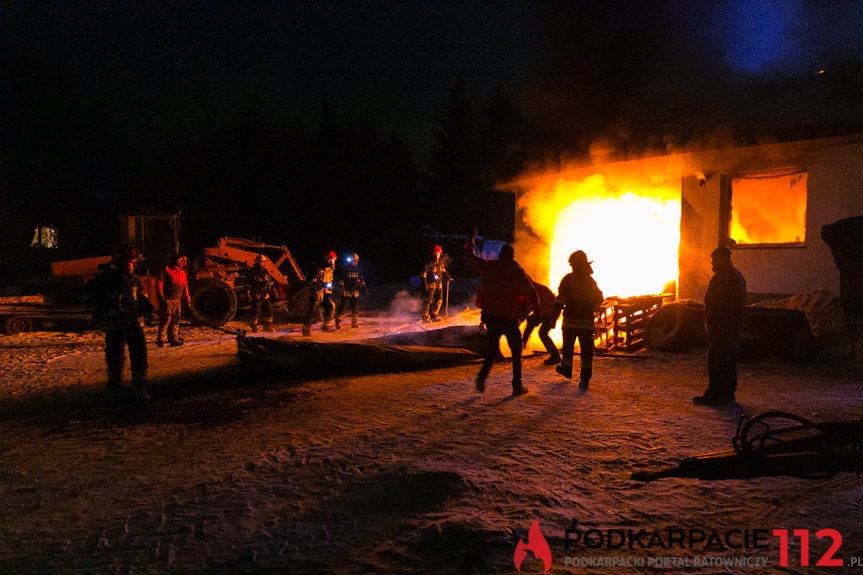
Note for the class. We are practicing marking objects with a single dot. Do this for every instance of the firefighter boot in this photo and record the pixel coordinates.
(564, 370)
(139, 384)
(307, 330)
(355, 324)
(338, 323)
(480, 384)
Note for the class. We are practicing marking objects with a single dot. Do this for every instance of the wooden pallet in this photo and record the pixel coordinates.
(621, 322)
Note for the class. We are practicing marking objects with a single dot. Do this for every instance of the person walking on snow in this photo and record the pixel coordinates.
(321, 295)
(545, 317)
(504, 291)
(579, 297)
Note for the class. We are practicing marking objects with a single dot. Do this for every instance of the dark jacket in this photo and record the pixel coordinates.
(352, 280)
(260, 286)
(724, 302)
(547, 300)
(322, 283)
(579, 296)
(116, 299)
(434, 274)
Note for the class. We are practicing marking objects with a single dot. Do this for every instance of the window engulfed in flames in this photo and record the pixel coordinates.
(631, 231)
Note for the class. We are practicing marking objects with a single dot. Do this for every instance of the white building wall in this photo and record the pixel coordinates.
(834, 192)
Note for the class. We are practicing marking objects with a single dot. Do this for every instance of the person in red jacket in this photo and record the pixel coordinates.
(505, 289)
(173, 288)
(545, 317)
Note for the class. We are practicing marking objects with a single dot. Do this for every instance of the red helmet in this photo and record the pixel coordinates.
(437, 250)
(125, 254)
(330, 255)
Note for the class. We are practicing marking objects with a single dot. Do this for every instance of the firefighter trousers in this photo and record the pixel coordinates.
(116, 339)
(432, 300)
(546, 324)
(354, 302)
(324, 303)
(585, 343)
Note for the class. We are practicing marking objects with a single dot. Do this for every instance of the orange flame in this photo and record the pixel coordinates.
(629, 226)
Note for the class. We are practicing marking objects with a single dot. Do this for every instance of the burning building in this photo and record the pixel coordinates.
(650, 224)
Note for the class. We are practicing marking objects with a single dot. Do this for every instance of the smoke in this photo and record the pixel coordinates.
(404, 303)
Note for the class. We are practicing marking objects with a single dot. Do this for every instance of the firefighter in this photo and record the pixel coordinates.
(545, 317)
(118, 301)
(432, 280)
(353, 282)
(504, 295)
(321, 295)
(173, 289)
(723, 318)
(259, 288)
(579, 297)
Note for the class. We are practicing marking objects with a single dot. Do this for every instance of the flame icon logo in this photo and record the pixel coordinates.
(535, 543)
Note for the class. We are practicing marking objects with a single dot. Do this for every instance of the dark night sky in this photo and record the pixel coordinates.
(394, 63)
(92, 94)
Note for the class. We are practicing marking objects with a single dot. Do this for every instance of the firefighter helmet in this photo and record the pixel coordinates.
(578, 257)
(330, 255)
(260, 258)
(125, 254)
(353, 258)
(437, 250)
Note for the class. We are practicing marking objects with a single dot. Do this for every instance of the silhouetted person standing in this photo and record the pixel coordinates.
(173, 289)
(117, 299)
(353, 283)
(579, 296)
(723, 318)
(259, 288)
(432, 279)
(504, 291)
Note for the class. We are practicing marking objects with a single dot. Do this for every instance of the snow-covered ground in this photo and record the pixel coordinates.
(234, 469)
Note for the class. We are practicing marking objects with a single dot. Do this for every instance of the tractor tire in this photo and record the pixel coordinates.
(672, 328)
(213, 302)
(16, 324)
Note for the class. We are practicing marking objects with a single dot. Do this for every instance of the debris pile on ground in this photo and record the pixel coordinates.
(829, 323)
